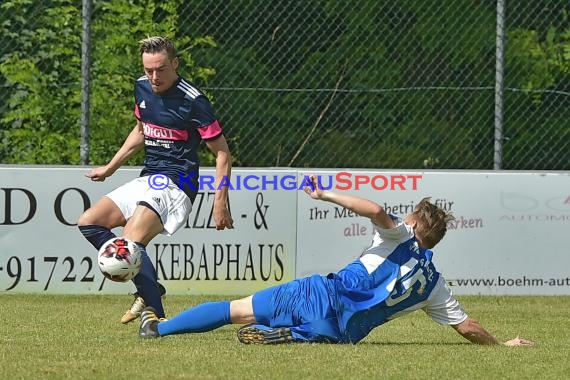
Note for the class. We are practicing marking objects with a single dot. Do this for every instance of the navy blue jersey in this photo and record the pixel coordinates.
(174, 124)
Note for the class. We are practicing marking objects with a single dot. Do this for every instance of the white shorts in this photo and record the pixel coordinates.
(171, 204)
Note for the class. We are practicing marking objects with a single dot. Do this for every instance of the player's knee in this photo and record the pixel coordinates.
(241, 311)
(103, 213)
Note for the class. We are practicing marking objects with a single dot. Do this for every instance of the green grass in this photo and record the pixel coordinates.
(80, 337)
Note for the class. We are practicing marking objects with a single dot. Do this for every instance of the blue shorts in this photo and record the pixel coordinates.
(305, 305)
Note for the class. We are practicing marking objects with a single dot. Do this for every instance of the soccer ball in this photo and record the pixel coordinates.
(119, 259)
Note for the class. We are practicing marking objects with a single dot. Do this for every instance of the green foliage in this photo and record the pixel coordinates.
(43, 72)
(43, 107)
(117, 26)
(272, 55)
(541, 59)
(532, 58)
(382, 105)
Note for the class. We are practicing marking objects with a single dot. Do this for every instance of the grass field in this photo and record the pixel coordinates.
(80, 337)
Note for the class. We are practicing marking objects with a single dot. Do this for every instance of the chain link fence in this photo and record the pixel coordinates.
(452, 84)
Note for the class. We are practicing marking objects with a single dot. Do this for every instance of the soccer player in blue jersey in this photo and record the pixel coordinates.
(172, 118)
(393, 277)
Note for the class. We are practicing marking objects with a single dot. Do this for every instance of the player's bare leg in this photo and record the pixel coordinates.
(96, 224)
(241, 312)
(104, 213)
(143, 226)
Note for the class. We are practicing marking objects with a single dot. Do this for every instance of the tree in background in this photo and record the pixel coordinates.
(43, 72)
(117, 28)
(415, 79)
(42, 69)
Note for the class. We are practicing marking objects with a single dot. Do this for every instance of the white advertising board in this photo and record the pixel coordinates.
(508, 236)
(41, 249)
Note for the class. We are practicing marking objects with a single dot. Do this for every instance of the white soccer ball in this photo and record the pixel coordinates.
(119, 259)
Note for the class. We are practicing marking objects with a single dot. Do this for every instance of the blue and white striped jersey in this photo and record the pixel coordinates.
(394, 276)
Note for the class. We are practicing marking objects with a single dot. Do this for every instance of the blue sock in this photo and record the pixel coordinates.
(147, 283)
(96, 235)
(204, 317)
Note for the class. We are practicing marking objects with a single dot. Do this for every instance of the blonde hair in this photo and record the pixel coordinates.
(157, 44)
(431, 222)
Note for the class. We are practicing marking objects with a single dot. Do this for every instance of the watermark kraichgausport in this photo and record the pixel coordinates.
(339, 181)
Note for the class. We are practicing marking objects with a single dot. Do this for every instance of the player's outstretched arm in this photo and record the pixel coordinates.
(360, 206)
(133, 143)
(472, 330)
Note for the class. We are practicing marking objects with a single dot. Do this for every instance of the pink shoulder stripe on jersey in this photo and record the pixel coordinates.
(162, 133)
(210, 131)
(137, 111)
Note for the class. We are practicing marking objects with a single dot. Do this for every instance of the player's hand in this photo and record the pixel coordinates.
(223, 218)
(99, 174)
(518, 341)
(314, 191)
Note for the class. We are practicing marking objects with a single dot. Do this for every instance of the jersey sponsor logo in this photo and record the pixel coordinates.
(161, 143)
(162, 133)
(143, 104)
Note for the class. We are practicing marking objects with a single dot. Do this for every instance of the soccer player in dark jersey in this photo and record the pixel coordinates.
(173, 117)
(393, 277)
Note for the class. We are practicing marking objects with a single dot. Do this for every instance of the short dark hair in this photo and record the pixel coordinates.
(157, 44)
